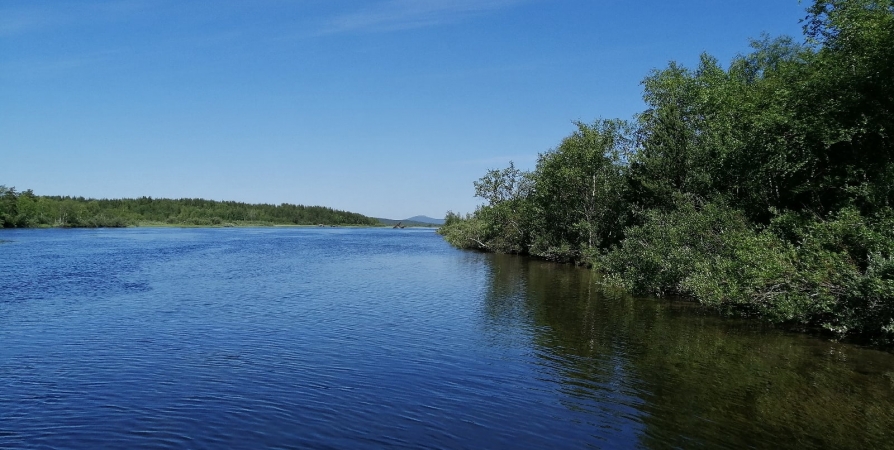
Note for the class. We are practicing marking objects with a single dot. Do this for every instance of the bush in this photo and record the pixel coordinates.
(466, 233)
(659, 255)
(836, 274)
(853, 256)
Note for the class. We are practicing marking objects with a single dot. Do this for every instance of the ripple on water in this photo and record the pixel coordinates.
(368, 338)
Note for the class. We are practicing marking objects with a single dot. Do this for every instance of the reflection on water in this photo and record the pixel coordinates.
(692, 380)
(340, 338)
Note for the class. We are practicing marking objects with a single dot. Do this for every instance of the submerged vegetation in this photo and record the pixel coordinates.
(24, 209)
(764, 188)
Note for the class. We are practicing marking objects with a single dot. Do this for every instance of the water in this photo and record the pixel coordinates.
(372, 338)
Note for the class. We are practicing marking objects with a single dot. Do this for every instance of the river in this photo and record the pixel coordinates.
(381, 338)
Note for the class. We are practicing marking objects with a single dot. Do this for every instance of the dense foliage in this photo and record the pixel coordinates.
(762, 188)
(24, 209)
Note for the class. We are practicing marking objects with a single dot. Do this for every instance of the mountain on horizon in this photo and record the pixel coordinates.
(425, 219)
(416, 221)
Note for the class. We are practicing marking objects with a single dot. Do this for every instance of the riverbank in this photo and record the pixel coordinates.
(761, 189)
(27, 210)
(221, 225)
(241, 224)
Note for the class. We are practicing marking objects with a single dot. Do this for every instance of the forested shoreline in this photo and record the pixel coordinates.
(26, 210)
(762, 189)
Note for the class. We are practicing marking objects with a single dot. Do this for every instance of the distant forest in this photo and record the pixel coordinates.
(24, 210)
(764, 188)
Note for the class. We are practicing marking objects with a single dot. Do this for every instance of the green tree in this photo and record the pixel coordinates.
(8, 207)
(504, 217)
(578, 199)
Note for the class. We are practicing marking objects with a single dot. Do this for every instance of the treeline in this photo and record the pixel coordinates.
(764, 188)
(24, 209)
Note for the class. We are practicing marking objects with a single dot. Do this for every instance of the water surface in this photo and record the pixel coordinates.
(372, 338)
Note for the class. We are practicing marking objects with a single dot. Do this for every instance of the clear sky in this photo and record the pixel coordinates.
(389, 108)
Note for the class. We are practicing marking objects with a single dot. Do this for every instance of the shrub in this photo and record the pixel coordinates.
(657, 256)
(837, 274)
(467, 233)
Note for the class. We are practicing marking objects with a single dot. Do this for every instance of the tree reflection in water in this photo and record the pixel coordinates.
(678, 377)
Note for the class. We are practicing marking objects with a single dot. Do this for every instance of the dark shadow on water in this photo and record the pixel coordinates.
(685, 379)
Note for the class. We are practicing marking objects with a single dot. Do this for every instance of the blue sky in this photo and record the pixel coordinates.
(390, 108)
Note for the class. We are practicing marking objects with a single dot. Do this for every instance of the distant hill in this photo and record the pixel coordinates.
(409, 222)
(425, 219)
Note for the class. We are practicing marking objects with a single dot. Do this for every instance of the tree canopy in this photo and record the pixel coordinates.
(764, 187)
